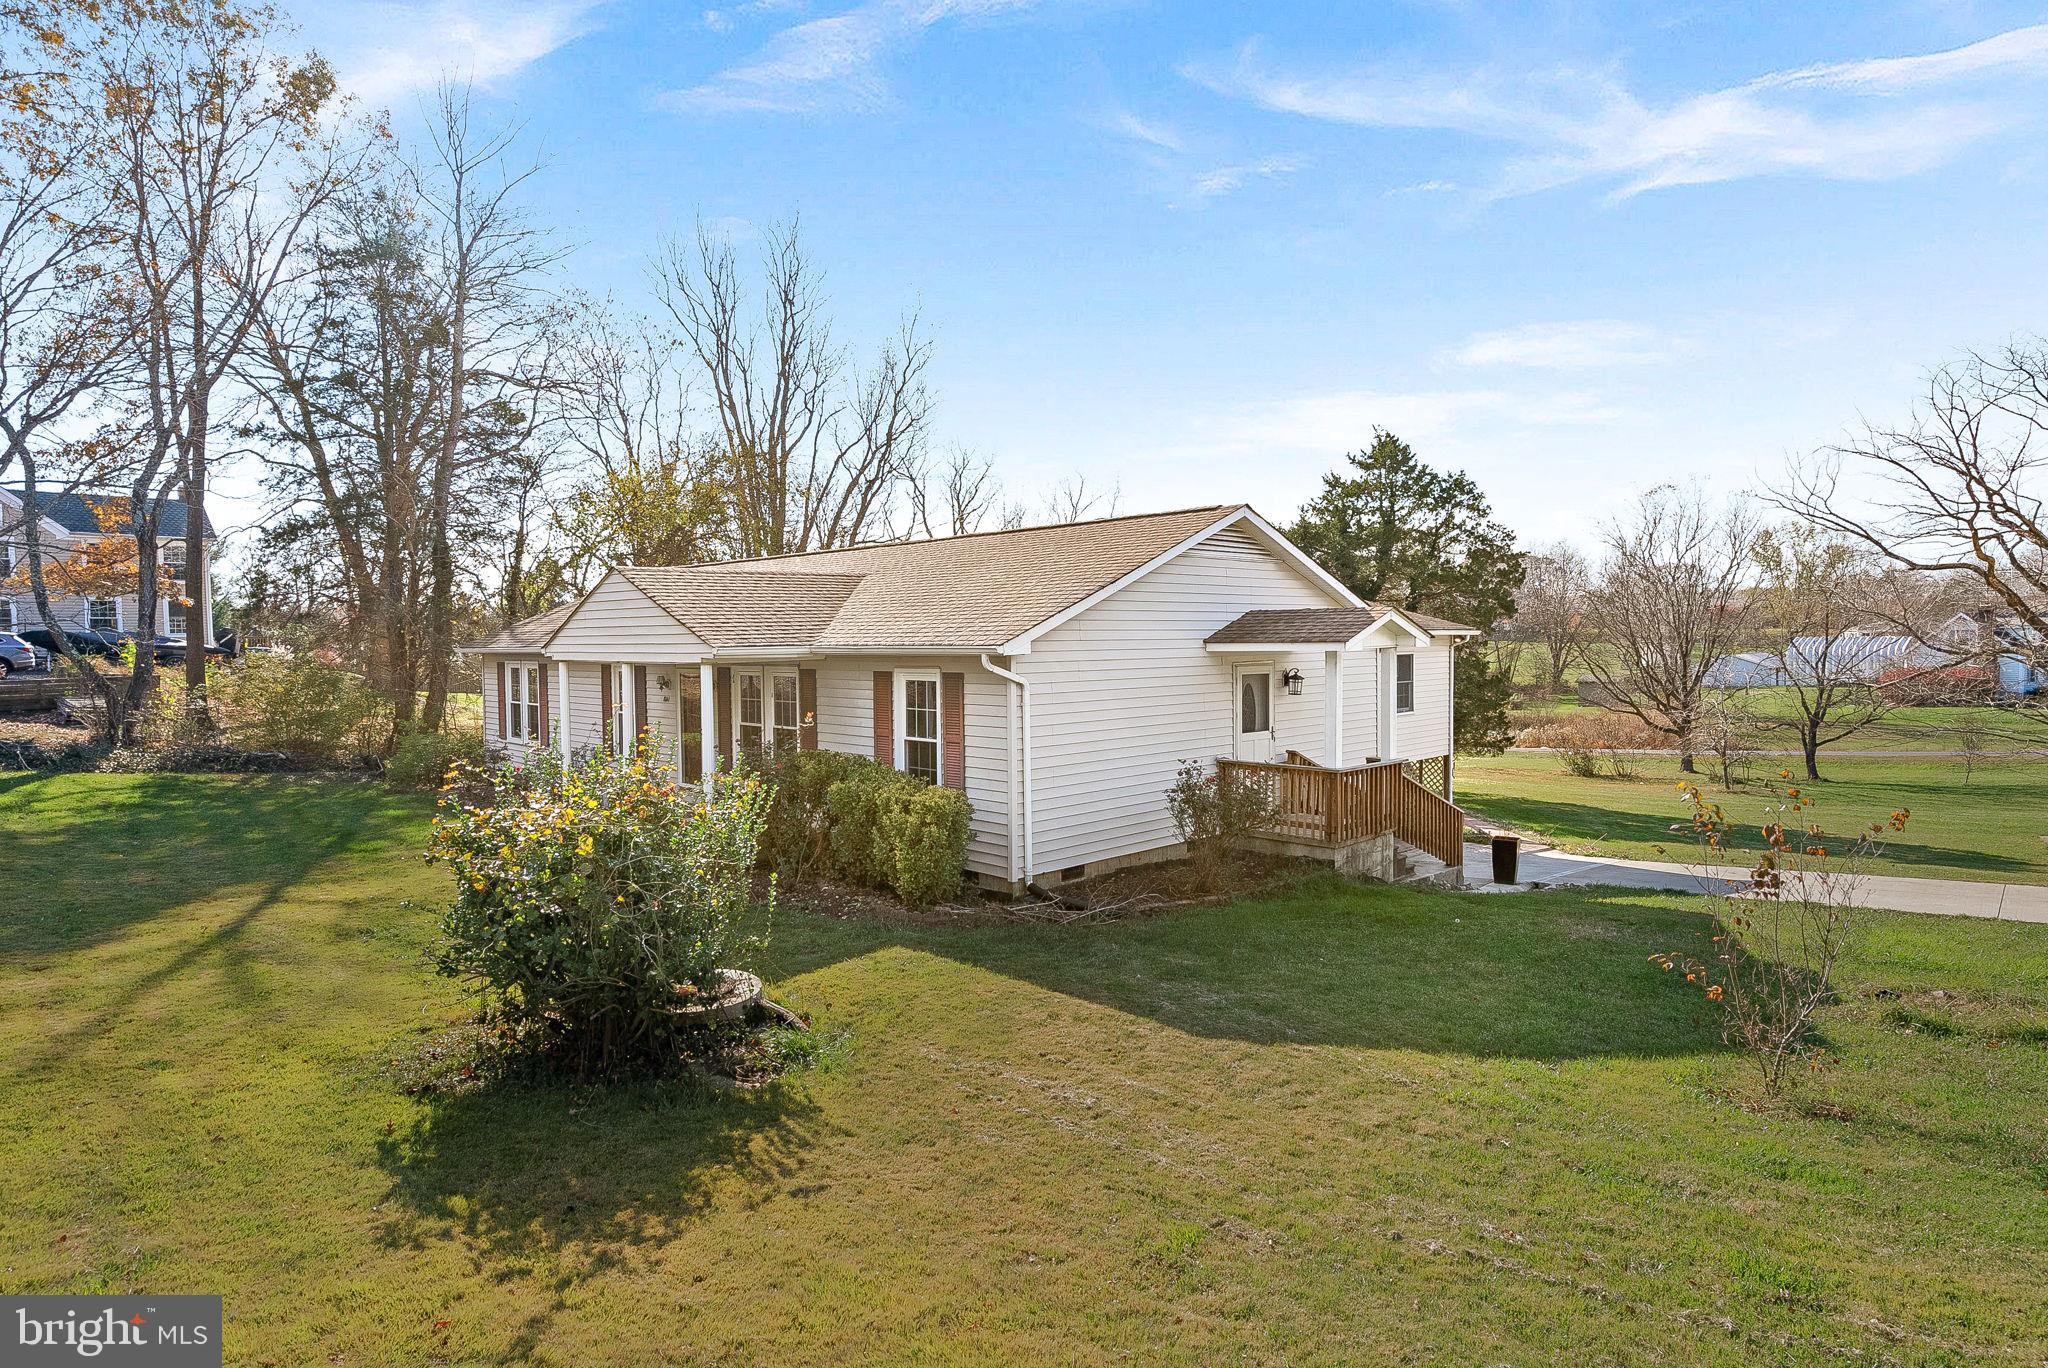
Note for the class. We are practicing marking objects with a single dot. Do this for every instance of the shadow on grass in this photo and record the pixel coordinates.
(1578, 822)
(103, 858)
(1541, 975)
(575, 1179)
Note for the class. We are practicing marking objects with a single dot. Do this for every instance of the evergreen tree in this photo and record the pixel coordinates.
(1398, 532)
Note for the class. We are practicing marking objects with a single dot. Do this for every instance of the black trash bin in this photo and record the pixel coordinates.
(1507, 854)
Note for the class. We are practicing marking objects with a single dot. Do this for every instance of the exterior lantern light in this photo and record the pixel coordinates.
(1292, 679)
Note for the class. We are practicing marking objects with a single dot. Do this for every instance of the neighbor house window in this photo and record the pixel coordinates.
(522, 702)
(103, 615)
(6, 560)
(174, 561)
(1404, 683)
(917, 725)
(6, 615)
(174, 618)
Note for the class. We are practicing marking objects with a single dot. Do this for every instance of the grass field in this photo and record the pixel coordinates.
(1342, 1126)
(1994, 827)
(1903, 729)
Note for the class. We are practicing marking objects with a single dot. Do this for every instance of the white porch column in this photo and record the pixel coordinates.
(1333, 709)
(707, 720)
(562, 708)
(1390, 747)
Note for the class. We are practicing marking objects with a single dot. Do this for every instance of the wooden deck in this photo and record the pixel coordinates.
(1337, 807)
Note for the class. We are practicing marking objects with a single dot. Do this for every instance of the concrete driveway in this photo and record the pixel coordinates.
(1899, 893)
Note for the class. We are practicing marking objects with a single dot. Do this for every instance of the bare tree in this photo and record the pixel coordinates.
(219, 155)
(1552, 607)
(956, 498)
(817, 451)
(1956, 489)
(1071, 501)
(1816, 598)
(491, 263)
(1671, 598)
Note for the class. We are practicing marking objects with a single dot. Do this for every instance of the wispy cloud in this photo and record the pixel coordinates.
(1874, 119)
(1593, 343)
(1225, 179)
(829, 63)
(1147, 131)
(386, 52)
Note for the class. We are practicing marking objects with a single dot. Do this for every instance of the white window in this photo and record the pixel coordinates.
(917, 725)
(1404, 683)
(6, 615)
(6, 560)
(103, 615)
(174, 560)
(522, 701)
(766, 712)
(174, 617)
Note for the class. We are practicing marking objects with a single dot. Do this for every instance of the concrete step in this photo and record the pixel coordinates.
(1413, 865)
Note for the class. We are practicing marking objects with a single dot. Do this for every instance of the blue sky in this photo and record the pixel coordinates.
(1199, 252)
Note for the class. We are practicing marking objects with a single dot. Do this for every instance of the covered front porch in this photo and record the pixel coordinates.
(1386, 813)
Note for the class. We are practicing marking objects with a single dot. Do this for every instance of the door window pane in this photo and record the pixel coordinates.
(921, 728)
(1404, 683)
(785, 712)
(1255, 703)
(750, 712)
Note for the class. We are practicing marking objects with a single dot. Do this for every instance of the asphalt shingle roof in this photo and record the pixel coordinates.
(970, 592)
(75, 512)
(1317, 626)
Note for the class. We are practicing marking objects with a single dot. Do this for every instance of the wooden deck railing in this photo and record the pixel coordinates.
(1338, 806)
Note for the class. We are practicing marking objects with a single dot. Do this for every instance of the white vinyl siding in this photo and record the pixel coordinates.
(1427, 730)
(618, 622)
(846, 722)
(1124, 692)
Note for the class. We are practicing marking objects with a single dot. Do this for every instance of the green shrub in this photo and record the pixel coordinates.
(421, 761)
(864, 823)
(592, 902)
(920, 840)
(852, 809)
(300, 706)
(797, 841)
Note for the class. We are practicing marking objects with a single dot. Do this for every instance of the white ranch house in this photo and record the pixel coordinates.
(1057, 675)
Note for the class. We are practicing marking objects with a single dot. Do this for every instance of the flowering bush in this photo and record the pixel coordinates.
(1781, 934)
(594, 905)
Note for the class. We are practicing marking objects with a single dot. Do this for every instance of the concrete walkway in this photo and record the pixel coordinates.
(1940, 897)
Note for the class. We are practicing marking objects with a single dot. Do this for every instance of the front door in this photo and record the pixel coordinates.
(1254, 712)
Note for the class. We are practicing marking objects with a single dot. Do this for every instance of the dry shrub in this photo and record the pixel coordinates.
(1590, 744)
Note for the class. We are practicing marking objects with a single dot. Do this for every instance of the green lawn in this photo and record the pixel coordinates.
(1903, 729)
(1346, 1126)
(1995, 827)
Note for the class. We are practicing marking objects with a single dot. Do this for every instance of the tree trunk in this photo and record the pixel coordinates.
(1809, 747)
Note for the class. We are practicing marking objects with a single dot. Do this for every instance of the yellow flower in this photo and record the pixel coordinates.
(584, 846)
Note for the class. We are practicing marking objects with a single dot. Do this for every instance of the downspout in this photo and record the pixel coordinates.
(1024, 703)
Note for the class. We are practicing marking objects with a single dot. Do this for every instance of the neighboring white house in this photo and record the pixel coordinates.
(71, 521)
(1057, 675)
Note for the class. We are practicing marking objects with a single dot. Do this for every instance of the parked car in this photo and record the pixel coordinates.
(84, 640)
(17, 655)
(170, 650)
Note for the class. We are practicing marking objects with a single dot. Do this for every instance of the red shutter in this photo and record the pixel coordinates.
(502, 733)
(885, 717)
(724, 709)
(540, 674)
(640, 701)
(807, 709)
(953, 730)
